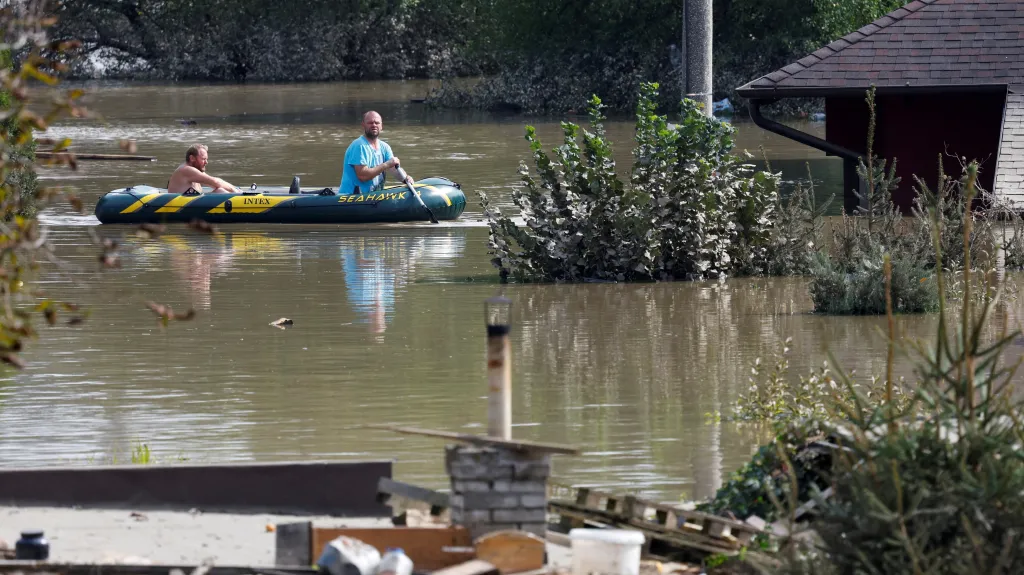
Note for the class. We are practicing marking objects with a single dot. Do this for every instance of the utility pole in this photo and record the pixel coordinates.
(696, 48)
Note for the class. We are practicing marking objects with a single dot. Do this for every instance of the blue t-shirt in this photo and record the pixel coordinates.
(360, 152)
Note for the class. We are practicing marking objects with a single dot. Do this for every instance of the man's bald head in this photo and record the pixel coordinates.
(372, 125)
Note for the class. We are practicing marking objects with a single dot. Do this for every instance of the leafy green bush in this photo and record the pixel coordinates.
(794, 410)
(861, 291)
(691, 209)
(759, 487)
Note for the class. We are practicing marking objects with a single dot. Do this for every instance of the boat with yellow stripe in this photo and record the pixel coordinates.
(286, 205)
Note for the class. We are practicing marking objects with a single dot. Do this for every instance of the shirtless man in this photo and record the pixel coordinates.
(192, 175)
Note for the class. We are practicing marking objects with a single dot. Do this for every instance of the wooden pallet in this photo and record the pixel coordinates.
(664, 526)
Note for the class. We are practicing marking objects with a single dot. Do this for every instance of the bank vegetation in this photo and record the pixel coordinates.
(533, 55)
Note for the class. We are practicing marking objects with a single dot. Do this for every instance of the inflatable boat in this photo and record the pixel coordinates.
(287, 205)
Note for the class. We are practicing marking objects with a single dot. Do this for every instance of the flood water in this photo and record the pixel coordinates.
(388, 320)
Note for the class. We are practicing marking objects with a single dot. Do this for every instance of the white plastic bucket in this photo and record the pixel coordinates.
(606, 551)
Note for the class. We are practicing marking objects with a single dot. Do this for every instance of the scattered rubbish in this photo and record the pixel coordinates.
(139, 516)
(429, 548)
(349, 556)
(723, 106)
(395, 562)
(6, 552)
(817, 117)
(608, 551)
(32, 546)
(283, 323)
(270, 528)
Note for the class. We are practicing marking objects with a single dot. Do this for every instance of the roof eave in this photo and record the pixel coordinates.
(773, 93)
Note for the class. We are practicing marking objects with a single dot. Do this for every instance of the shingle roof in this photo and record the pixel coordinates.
(1009, 183)
(927, 43)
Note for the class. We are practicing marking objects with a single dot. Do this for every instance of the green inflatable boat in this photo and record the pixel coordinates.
(287, 205)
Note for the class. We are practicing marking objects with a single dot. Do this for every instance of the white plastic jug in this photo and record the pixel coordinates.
(349, 556)
(395, 562)
(605, 551)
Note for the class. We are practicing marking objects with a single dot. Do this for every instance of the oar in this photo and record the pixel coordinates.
(405, 178)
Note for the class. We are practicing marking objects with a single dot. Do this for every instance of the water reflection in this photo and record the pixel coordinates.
(374, 268)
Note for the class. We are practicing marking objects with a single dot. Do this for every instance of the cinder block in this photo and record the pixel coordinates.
(532, 486)
(519, 515)
(478, 472)
(533, 501)
(490, 501)
(532, 470)
(476, 516)
(538, 529)
(471, 486)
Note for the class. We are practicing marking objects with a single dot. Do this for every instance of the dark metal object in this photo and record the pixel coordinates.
(344, 489)
(32, 546)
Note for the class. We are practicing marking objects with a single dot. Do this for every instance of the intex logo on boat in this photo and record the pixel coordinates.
(255, 201)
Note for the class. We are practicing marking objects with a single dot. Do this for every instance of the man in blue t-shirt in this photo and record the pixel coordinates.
(366, 159)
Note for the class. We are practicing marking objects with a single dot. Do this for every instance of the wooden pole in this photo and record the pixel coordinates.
(499, 370)
(52, 155)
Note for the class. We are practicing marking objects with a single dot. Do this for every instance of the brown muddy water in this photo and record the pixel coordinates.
(388, 320)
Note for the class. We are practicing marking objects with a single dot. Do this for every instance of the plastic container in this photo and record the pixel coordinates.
(32, 546)
(349, 556)
(395, 562)
(606, 551)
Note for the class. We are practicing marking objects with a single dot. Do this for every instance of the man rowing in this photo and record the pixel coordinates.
(367, 159)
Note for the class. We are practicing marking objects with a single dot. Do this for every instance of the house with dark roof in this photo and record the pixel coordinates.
(949, 80)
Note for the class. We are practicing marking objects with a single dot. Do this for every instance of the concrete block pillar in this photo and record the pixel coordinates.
(495, 489)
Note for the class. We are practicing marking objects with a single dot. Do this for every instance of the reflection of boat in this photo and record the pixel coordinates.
(275, 204)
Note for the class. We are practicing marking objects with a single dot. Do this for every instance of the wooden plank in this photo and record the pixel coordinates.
(52, 155)
(387, 487)
(511, 551)
(514, 444)
(665, 514)
(567, 522)
(634, 508)
(726, 545)
(428, 547)
(473, 567)
(22, 567)
(292, 544)
(676, 539)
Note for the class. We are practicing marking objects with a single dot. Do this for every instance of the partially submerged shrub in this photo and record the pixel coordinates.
(861, 290)
(691, 209)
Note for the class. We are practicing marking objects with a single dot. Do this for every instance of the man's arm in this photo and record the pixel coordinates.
(195, 175)
(366, 174)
